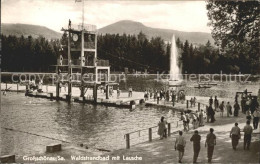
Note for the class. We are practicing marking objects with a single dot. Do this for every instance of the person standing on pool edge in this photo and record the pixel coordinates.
(130, 91)
(180, 145)
(216, 103)
(210, 142)
(221, 107)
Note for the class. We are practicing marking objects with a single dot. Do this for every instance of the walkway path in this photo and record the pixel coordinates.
(162, 151)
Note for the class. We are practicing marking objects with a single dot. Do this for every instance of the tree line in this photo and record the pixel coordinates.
(28, 54)
(134, 52)
(236, 49)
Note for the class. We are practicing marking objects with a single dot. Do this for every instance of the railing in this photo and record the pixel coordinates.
(87, 63)
(75, 62)
(102, 62)
(87, 27)
(199, 105)
(205, 106)
(89, 45)
(63, 62)
(149, 134)
(89, 97)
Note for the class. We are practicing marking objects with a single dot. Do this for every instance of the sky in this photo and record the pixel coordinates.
(190, 16)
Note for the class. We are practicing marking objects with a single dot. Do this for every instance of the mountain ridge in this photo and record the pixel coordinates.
(133, 28)
(26, 30)
(128, 27)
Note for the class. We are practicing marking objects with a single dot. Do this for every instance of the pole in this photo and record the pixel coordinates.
(58, 84)
(127, 141)
(150, 134)
(83, 15)
(199, 107)
(70, 70)
(207, 113)
(187, 103)
(95, 92)
(107, 91)
(169, 129)
(82, 57)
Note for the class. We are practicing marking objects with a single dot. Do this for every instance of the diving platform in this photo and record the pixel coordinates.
(80, 61)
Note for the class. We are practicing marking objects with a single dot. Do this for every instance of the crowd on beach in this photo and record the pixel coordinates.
(250, 107)
(168, 95)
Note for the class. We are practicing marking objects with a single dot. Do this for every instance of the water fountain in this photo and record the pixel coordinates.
(175, 72)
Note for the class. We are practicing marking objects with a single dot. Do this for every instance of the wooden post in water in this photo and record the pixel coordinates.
(150, 135)
(82, 63)
(82, 89)
(69, 70)
(169, 129)
(127, 141)
(187, 103)
(95, 92)
(207, 113)
(51, 96)
(199, 107)
(107, 91)
(58, 83)
(69, 87)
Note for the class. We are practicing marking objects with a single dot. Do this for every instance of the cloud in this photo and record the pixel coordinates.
(178, 15)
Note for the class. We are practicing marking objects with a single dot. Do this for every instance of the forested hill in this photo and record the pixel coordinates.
(121, 27)
(132, 27)
(26, 29)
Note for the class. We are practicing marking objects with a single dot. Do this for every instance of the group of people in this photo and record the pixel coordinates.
(249, 106)
(180, 144)
(210, 142)
(196, 118)
(33, 85)
(193, 101)
(167, 95)
(248, 102)
(221, 108)
(110, 91)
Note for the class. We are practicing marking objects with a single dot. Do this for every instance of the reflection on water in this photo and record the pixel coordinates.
(95, 126)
